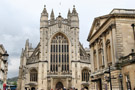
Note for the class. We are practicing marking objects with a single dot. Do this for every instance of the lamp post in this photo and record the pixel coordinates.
(110, 79)
(133, 27)
(120, 77)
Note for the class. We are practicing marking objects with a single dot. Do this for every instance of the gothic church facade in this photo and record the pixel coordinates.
(59, 60)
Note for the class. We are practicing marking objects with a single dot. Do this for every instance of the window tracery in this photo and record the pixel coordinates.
(33, 75)
(59, 53)
(85, 75)
(108, 50)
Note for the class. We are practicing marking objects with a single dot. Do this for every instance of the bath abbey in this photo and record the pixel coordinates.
(59, 60)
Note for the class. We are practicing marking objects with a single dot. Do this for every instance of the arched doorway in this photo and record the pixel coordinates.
(33, 88)
(86, 88)
(59, 85)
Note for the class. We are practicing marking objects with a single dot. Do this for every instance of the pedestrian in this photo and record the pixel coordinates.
(71, 89)
(64, 88)
(82, 89)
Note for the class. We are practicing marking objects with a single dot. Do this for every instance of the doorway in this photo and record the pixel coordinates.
(59, 85)
(33, 88)
(99, 84)
(86, 88)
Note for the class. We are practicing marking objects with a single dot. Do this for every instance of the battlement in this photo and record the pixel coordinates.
(71, 20)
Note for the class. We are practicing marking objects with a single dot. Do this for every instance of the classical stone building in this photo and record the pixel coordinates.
(111, 41)
(59, 60)
(3, 66)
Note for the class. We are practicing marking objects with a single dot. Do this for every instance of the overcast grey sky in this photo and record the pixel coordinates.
(20, 20)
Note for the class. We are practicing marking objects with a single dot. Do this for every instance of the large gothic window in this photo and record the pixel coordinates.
(59, 58)
(85, 75)
(33, 75)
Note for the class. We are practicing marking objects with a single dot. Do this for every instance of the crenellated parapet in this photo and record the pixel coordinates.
(71, 20)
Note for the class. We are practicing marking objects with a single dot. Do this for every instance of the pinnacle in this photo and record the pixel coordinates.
(69, 12)
(44, 11)
(74, 10)
(52, 13)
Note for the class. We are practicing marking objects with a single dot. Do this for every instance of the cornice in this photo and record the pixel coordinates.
(104, 33)
(111, 16)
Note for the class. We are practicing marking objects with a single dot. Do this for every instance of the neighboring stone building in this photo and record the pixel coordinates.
(59, 60)
(111, 37)
(3, 66)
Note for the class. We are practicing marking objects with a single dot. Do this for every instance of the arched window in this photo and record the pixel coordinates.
(85, 75)
(108, 51)
(33, 75)
(95, 60)
(100, 53)
(59, 53)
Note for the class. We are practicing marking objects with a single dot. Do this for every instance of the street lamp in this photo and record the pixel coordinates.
(120, 78)
(109, 79)
(133, 26)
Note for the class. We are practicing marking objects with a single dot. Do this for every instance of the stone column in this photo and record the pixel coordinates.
(91, 58)
(23, 86)
(104, 49)
(97, 56)
(51, 83)
(40, 76)
(111, 43)
(73, 74)
(45, 84)
(67, 86)
(114, 43)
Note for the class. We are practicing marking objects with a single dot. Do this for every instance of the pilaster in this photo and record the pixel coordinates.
(104, 49)
(51, 83)
(114, 44)
(112, 49)
(40, 76)
(97, 55)
(45, 76)
(92, 58)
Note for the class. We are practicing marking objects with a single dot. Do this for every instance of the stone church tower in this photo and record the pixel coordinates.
(59, 60)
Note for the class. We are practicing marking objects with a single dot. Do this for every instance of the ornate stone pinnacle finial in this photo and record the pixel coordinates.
(44, 6)
(74, 6)
(59, 14)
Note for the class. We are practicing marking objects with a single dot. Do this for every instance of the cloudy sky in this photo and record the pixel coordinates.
(20, 20)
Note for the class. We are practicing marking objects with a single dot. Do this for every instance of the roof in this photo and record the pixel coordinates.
(114, 13)
(122, 11)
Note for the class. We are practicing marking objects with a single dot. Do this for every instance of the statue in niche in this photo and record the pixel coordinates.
(59, 21)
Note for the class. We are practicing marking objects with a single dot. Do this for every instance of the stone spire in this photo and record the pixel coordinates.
(52, 15)
(22, 53)
(69, 14)
(27, 45)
